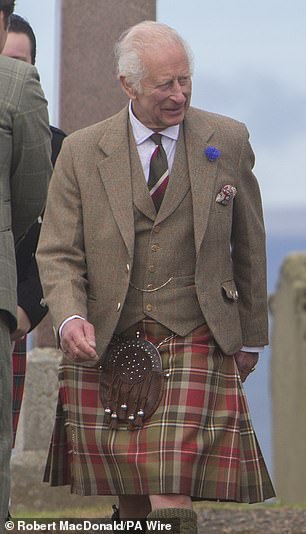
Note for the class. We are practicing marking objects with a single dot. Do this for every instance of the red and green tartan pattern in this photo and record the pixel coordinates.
(19, 369)
(200, 441)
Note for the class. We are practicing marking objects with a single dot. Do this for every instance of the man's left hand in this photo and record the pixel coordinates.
(246, 363)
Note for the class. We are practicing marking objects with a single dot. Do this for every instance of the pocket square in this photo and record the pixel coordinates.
(226, 194)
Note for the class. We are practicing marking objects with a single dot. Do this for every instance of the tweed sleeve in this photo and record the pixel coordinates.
(249, 251)
(60, 253)
(31, 151)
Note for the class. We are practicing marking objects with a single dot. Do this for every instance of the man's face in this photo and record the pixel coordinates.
(18, 46)
(166, 89)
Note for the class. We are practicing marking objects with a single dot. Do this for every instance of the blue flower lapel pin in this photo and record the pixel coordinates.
(212, 153)
(226, 194)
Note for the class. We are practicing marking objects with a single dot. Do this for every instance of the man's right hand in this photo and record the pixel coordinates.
(78, 341)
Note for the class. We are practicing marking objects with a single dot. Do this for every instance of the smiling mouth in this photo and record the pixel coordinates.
(176, 110)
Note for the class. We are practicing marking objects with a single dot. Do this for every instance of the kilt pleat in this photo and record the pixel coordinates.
(199, 442)
(19, 370)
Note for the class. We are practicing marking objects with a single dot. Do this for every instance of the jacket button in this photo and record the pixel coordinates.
(152, 268)
(156, 229)
(149, 307)
(154, 248)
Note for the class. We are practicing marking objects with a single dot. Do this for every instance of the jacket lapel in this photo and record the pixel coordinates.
(115, 173)
(202, 172)
(178, 184)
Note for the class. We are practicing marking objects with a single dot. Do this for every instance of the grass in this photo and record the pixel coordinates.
(76, 512)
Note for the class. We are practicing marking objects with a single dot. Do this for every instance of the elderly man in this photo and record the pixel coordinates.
(152, 257)
(25, 168)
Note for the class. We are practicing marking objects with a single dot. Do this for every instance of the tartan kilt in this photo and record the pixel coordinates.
(200, 441)
(19, 369)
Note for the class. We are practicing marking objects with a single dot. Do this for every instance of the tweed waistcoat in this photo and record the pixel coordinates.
(164, 255)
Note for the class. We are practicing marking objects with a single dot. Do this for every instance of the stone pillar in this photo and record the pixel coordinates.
(89, 90)
(288, 380)
(39, 402)
(43, 335)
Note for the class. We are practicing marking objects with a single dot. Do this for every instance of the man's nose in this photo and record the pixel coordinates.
(177, 92)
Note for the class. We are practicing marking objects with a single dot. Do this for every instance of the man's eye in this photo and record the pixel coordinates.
(166, 84)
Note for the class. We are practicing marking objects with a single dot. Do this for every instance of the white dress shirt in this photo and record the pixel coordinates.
(146, 146)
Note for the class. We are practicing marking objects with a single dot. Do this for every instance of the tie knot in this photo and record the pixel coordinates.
(156, 138)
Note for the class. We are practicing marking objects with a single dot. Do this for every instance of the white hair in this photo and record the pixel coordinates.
(130, 47)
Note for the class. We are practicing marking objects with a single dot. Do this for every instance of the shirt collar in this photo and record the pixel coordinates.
(142, 133)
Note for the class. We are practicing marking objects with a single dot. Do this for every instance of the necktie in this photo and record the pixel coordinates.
(159, 172)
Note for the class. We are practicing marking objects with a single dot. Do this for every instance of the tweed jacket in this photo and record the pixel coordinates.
(85, 253)
(25, 166)
(29, 290)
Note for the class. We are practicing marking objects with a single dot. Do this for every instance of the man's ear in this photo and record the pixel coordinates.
(130, 91)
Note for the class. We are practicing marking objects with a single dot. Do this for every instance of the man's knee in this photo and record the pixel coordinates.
(170, 501)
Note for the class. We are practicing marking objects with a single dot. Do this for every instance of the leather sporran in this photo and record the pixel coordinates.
(131, 382)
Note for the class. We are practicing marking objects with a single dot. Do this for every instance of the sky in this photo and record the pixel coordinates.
(249, 64)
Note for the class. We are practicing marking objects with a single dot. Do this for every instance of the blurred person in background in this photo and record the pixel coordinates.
(25, 169)
(21, 44)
